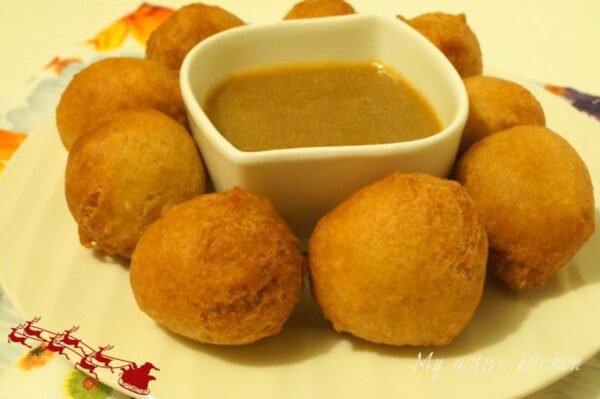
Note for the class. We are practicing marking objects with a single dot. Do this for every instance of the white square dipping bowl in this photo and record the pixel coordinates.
(306, 183)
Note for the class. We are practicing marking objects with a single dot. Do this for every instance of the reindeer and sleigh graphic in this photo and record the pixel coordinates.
(132, 377)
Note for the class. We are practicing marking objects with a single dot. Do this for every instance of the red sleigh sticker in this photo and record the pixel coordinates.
(132, 377)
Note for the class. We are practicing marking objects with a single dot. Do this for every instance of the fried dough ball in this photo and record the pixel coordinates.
(496, 104)
(319, 8)
(401, 262)
(112, 85)
(534, 194)
(125, 175)
(221, 268)
(186, 27)
(453, 36)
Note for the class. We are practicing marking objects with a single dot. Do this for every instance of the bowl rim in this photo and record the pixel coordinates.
(195, 111)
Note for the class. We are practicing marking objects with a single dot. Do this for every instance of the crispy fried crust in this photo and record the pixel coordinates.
(220, 268)
(116, 84)
(123, 176)
(319, 8)
(495, 105)
(536, 200)
(186, 27)
(453, 36)
(400, 262)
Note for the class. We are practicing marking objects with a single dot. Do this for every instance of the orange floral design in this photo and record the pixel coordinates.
(36, 357)
(58, 64)
(556, 89)
(77, 385)
(90, 383)
(139, 24)
(9, 142)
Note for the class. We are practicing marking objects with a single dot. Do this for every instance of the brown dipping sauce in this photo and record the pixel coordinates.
(315, 105)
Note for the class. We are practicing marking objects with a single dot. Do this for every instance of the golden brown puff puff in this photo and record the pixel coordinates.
(401, 261)
(123, 176)
(186, 27)
(453, 36)
(221, 268)
(496, 104)
(112, 85)
(535, 197)
(319, 8)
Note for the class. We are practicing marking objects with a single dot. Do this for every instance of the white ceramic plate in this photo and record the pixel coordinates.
(517, 343)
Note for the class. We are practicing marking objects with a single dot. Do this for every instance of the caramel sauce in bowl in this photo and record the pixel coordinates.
(306, 180)
(319, 105)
